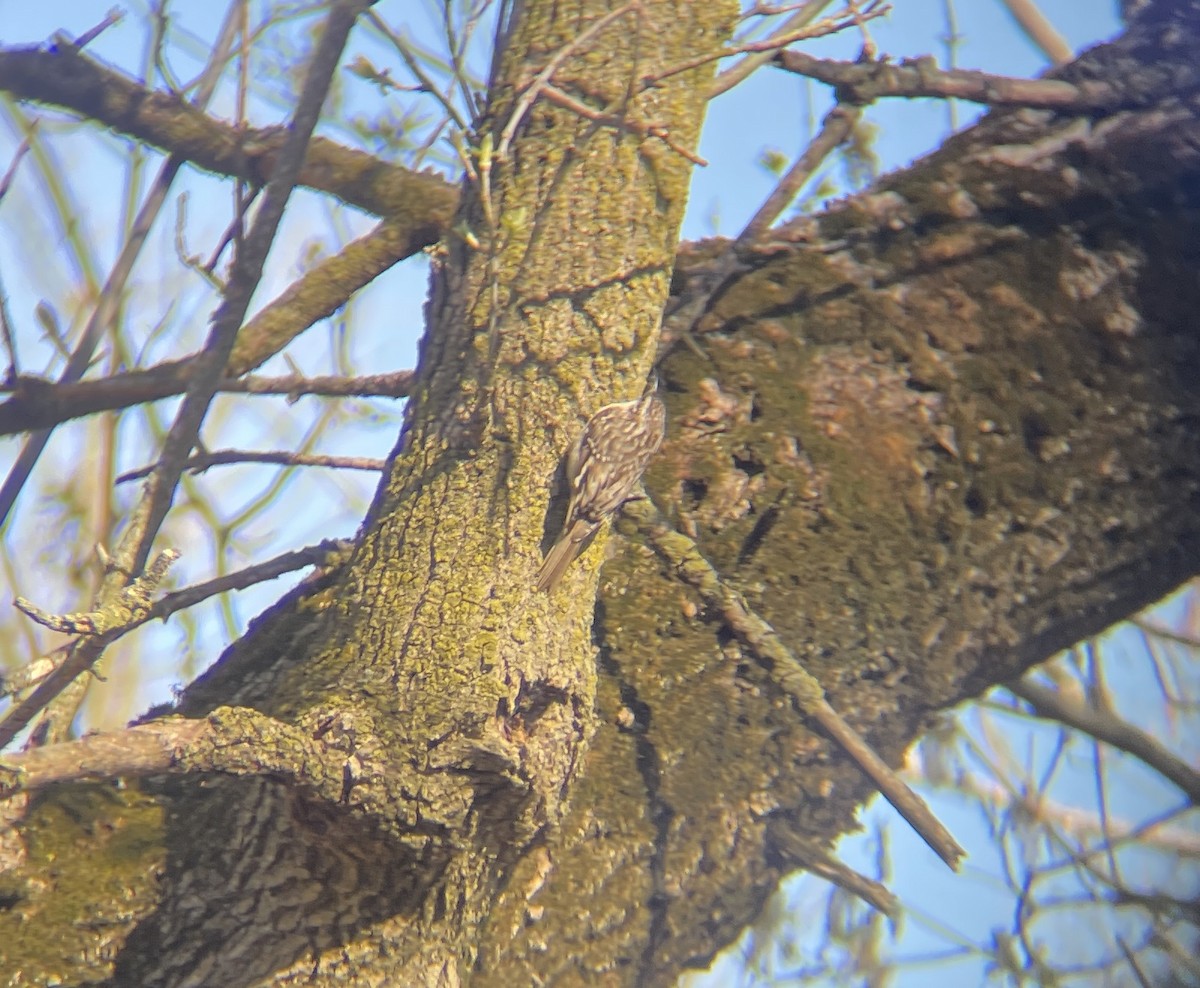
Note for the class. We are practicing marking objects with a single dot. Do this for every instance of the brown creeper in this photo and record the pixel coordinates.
(604, 468)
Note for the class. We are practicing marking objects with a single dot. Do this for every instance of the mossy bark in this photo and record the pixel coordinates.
(935, 434)
(467, 700)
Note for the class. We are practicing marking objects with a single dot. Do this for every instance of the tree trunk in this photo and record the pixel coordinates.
(937, 433)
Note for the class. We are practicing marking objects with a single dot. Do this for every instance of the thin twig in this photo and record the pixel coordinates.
(705, 284)
(114, 16)
(542, 79)
(427, 84)
(1132, 961)
(115, 618)
(1107, 727)
(233, 232)
(10, 343)
(1039, 30)
(952, 39)
(159, 489)
(770, 9)
(11, 174)
(188, 260)
(558, 97)
(824, 27)
(284, 458)
(114, 286)
(788, 673)
(818, 861)
(836, 128)
(326, 554)
(1179, 638)
(458, 46)
(755, 60)
(244, 278)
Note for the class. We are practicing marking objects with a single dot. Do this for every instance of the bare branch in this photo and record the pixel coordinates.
(425, 83)
(726, 80)
(822, 28)
(210, 363)
(130, 608)
(708, 280)
(819, 862)
(247, 270)
(952, 39)
(110, 296)
(326, 554)
(37, 404)
(114, 16)
(284, 458)
(1179, 638)
(1039, 30)
(1108, 727)
(65, 78)
(397, 384)
(865, 82)
(685, 558)
(11, 173)
(836, 128)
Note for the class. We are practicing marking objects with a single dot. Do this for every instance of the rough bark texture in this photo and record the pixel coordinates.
(939, 432)
(464, 700)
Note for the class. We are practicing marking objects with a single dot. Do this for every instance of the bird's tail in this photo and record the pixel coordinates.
(565, 551)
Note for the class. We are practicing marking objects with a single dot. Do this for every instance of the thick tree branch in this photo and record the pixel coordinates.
(63, 77)
(230, 741)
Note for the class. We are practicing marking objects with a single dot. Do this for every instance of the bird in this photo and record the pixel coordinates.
(604, 469)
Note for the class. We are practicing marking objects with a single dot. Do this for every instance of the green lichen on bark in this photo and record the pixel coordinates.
(922, 453)
(94, 850)
(936, 444)
(428, 645)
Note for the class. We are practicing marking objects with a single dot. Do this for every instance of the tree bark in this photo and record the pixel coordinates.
(933, 435)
